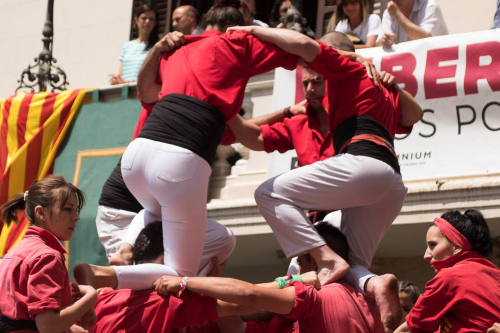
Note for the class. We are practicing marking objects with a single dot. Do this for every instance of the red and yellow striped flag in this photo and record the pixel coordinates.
(32, 127)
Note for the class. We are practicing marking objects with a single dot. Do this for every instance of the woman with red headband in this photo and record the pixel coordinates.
(464, 296)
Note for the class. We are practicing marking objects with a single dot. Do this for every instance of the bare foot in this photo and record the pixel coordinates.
(123, 256)
(95, 276)
(331, 267)
(385, 290)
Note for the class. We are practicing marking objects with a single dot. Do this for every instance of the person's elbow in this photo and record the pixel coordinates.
(411, 116)
(308, 47)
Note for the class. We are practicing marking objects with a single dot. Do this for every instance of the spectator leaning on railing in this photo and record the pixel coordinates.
(406, 20)
(353, 17)
(250, 17)
(135, 51)
(280, 8)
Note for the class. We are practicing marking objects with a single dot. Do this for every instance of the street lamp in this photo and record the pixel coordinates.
(48, 73)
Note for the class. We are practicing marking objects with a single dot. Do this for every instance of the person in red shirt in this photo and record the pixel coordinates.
(464, 296)
(363, 180)
(35, 293)
(199, 88)
(336, 307)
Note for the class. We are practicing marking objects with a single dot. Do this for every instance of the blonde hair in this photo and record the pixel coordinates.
(339, 14)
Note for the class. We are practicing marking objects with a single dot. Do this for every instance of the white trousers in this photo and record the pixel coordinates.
(171, 183)
(369, 193)
(112, 224)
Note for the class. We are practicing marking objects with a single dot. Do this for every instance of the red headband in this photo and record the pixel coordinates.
(452, 234)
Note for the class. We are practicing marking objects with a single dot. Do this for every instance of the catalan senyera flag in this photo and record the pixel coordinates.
(32, 127)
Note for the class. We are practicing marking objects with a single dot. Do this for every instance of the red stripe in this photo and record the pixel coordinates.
(22, 118)
(4, 188)
(48, 107)
(68, 103)
(16, 231)
(3, 136)
(34, 153)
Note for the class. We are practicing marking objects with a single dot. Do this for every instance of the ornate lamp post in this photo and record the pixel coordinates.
(47, 73)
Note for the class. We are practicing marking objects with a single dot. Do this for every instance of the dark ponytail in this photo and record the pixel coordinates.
(10, 208)
(473, 226)
(224, 14)
(52, 191)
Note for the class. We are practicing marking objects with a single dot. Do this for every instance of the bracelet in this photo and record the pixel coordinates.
(184, 283)
(284, 281)
(287, 113)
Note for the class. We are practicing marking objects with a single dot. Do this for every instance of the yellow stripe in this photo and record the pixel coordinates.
(2, 105)
(52, 154)
(4, 235)
(34, 113)
(17, 172)
(12, 126)
(50, 128)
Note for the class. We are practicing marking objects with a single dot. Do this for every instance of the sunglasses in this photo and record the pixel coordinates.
(252, 14)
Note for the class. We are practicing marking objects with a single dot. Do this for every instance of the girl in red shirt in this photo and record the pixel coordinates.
(35, 293)
(464, 296)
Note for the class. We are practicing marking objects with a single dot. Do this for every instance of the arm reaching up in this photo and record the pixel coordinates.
(288, 40)
(146, 79)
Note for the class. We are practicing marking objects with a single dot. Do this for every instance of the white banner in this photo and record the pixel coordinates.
(456, 81)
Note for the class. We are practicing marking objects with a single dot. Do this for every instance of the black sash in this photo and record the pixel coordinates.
(11, 325)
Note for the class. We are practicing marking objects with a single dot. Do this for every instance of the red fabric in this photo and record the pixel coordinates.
(464, 296)
(278, 324)
(351, 92)
(33, 276)
(205, 327)
(336, 307)
(452, 234)
(134, 311)
(301, 133)
(216, 67)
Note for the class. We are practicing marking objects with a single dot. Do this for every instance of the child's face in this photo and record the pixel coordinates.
(62, 223)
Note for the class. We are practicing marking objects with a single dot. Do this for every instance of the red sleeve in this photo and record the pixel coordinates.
(441, 294)
(261, 57)
(228, 137)
(332, 65)
(306, 299)
(48, 275)
(276, 137)
(195, 309)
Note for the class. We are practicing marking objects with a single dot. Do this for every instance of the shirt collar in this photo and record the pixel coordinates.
(211, 33)
(46, 237)
(451, 261)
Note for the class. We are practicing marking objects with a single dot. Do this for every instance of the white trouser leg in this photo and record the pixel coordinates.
(112, 224)
(171, 182)
(142, 219)
(343, 182)
(219, 242)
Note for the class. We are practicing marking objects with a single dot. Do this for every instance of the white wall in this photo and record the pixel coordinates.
(88, 35)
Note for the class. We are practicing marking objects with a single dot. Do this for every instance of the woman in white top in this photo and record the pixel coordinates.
(135, 51)
(353, 16)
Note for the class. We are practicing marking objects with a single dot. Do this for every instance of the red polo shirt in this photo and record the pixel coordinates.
(141, 311)
(351, 92)
(215, 67)
(464, 296)
(302, 133)
(277, 324)
(33, 276)
(336, 307)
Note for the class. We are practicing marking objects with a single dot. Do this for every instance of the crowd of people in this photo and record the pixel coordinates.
(166, 256)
